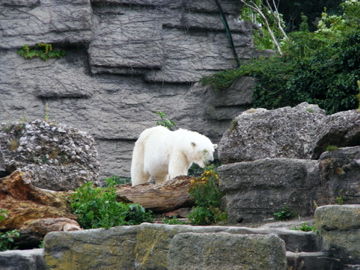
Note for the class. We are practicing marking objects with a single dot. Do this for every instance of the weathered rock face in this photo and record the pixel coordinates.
(340, 175)
(134, 58)
(56, 157)
(211, 251)
(29, 22)
(22, 260)
(148, 246)
(339, 226)
(254, 191)
(282, 133)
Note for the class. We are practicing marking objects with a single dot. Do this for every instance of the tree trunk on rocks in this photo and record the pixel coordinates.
(158, 197)
(26, 203)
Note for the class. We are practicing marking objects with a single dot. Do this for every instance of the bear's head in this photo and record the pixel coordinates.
(203, 152)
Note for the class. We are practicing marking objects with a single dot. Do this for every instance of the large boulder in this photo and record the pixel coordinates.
(339, 226)
(302, 132)
(212, 251)
(254, 191)
(55, 156)
(282, 133)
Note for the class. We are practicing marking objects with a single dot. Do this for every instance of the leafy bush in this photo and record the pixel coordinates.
(284, 214)
(207, 196)
(97, 207)
(7, 239)
(42, 50)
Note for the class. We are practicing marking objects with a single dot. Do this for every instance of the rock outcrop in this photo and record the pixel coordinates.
(154, 246)
(54, 156)
(254, 191)
(339, 226)
(301, 132)
(273, 164)
(212, 251)
(125, 60)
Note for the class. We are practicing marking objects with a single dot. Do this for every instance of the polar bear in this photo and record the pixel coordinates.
(160, 154)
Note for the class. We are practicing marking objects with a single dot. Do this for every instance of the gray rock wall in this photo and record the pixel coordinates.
(125, 60)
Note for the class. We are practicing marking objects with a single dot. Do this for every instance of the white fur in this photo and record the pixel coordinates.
(160, 154)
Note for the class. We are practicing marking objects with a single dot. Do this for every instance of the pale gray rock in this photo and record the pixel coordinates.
(22, 260)
(49, 21)
(56, 157)
(339, 227)
(281, 133)
(254, 191)
(340, 175)
(212, 251)
(339, 129)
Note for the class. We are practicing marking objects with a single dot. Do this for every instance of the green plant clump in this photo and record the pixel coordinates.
(173, 221)
(305, 227)
(207, 197)
(164, 121)
(97, 207)
(42, 50)
(7, 239)
(330, 148)
(117, 180)
(284, 214)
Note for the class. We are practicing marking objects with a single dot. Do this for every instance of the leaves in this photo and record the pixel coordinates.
(42, 50)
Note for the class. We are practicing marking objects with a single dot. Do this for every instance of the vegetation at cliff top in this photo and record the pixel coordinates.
(320, 67)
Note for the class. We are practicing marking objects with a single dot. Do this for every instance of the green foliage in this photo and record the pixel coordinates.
(42, 50)
(7, 239)
(331, 148)
(284, 214)
(97, 207)
(173, 221)
(116, 180)
(207, 197)
(320, 67)
(164, 121)
(340, 200)
(3, 214)
(305, 227)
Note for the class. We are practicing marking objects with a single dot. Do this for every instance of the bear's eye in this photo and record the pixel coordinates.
(205, 151)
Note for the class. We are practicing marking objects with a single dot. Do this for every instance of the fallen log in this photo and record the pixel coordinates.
(159, 198)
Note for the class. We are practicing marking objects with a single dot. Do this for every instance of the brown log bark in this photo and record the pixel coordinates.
(159, 198)
(25, 202)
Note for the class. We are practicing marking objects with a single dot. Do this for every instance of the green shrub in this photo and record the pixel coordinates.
(97, 207)
(305, 227)
(284, 214)
(7, 239)
(330, 148)
(42, 50)
(207, 197)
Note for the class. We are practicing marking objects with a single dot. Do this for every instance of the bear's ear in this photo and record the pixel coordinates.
(193, 144)
(215, 146)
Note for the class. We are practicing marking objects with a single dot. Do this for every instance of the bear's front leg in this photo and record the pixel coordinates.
(178, 165)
